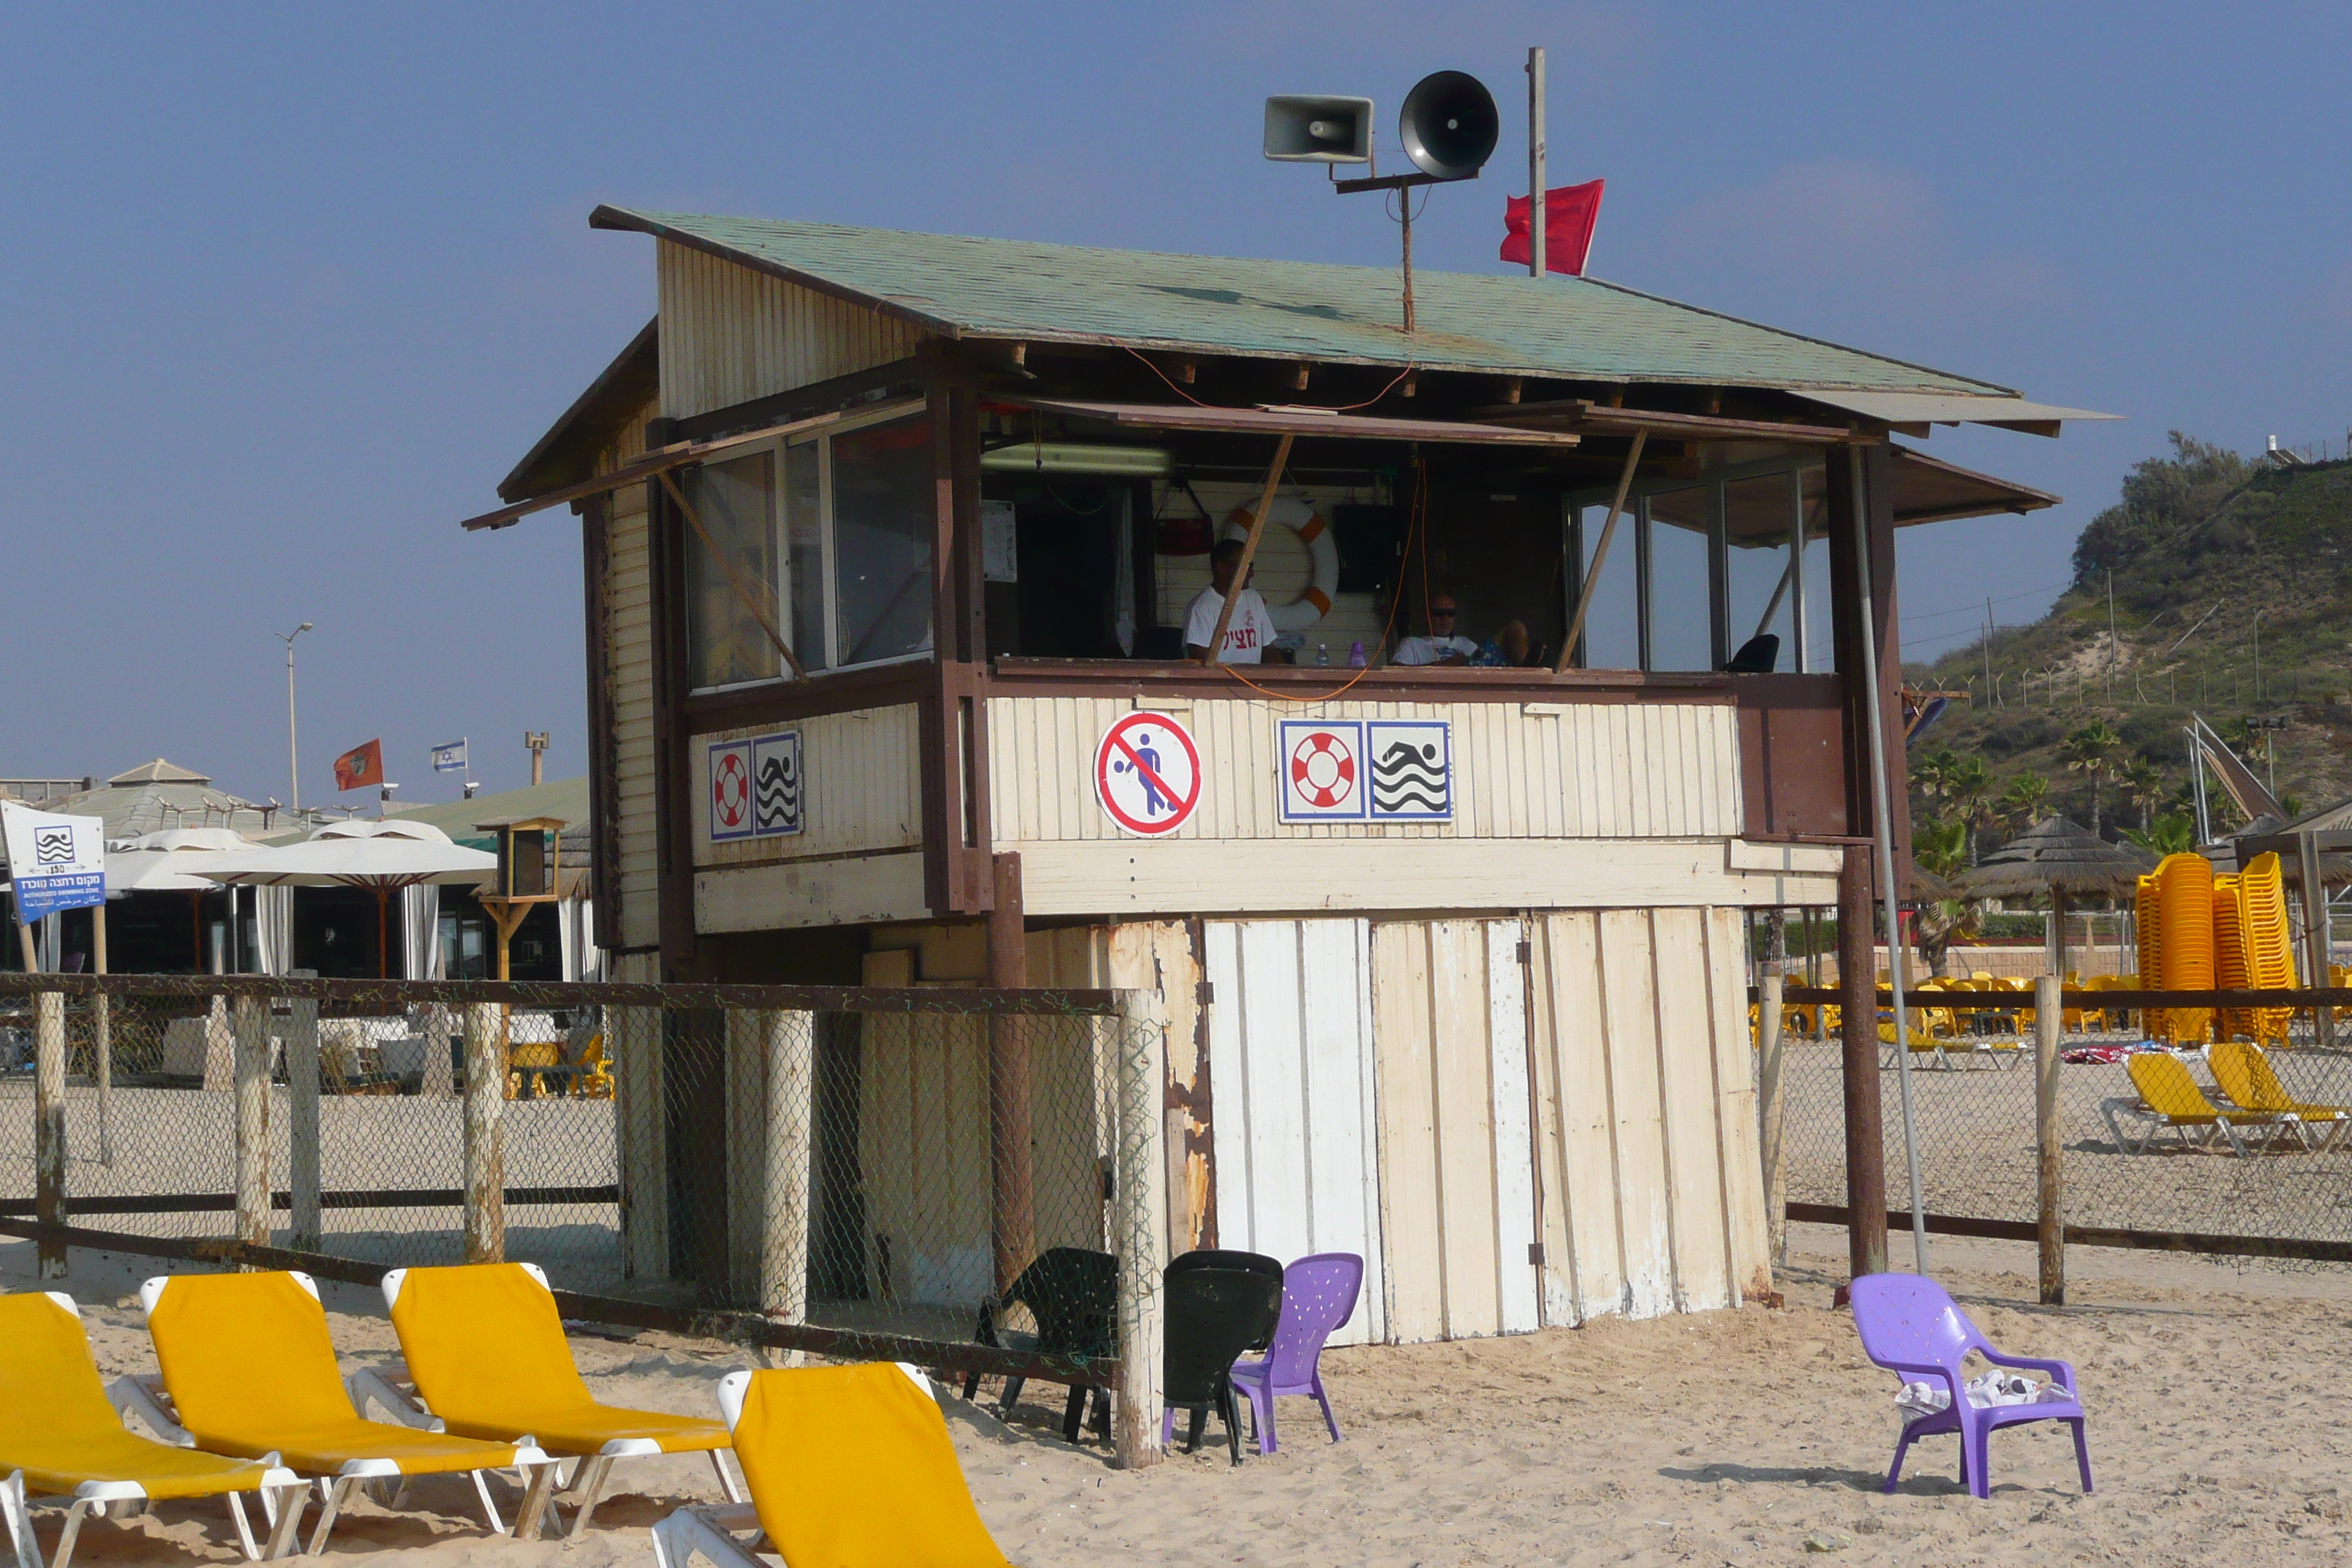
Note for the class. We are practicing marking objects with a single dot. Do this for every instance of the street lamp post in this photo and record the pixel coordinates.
(293, 755)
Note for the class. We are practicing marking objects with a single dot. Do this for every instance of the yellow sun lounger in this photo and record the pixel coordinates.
(248, 1368)
(484, 1351)
(2169, 1098)
(849, 1467)
(62, 1437)
(2245, 1075)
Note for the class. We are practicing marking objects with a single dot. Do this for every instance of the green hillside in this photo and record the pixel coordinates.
(2217, 561)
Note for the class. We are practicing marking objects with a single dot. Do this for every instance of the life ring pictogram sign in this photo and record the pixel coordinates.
(1322, 551)
(1322, 770)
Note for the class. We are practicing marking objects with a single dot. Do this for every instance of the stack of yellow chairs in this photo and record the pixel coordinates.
(2270, 951)
(2229, 970)
(2150, 926)
(2184, 941)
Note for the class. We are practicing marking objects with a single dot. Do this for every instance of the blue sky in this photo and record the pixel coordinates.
(291, 287)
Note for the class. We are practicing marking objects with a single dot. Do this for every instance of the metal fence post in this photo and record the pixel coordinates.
(2049, 1021)
(1143, 1209)
(485, 1166)
(50, 1126)
(251, 1069)
(791, 1042)
(1769, 1109)
(302, 1172)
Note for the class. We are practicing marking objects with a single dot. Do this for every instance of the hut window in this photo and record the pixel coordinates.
(1764, 590)
(829, 542)
(1676, 630)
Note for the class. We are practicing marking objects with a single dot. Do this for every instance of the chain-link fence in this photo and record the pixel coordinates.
(883, 1164)
(2131, 1160)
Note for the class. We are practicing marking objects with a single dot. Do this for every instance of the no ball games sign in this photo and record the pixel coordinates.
(1148, 774)
(54, 862)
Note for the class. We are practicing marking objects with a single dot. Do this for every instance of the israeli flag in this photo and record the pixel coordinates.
(450, 759)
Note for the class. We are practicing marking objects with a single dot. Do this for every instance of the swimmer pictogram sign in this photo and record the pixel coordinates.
(1148, 774)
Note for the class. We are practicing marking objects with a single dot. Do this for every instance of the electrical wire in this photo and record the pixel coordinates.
(1237, 408)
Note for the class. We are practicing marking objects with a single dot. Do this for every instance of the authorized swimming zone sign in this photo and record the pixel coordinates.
(54, 862)
(1148, 774)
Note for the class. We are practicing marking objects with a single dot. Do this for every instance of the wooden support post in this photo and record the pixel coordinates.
(439, 1080)
(50, 1126)
(32, 954)
(1769, 1112)
(1599, 553)
(302, 1157)
(1012, 1143)
(220, 1048)
(791, 1047)
(1257, 522)
(633, 1039)
(2316, 953)
(485, 1101)
(1866, 1140)
(252, 1101)
(102, 1036)
(1139, 1233)
(2048, 1021)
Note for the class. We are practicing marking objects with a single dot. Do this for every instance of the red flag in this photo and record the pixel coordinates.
(1570, 213)
(360, 766)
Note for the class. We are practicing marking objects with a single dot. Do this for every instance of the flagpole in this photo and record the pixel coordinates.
(1538, 219)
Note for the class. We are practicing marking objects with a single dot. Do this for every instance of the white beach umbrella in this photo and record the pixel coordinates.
(381, 857)
(166, 862)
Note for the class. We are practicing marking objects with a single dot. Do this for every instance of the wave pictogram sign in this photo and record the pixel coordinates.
(1412, 768)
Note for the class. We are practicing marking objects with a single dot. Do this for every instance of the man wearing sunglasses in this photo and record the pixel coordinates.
(1442, 644)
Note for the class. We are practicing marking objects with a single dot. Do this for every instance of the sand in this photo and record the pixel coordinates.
(1731, 1437)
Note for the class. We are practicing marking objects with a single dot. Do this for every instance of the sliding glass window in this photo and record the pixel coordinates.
(822, 544)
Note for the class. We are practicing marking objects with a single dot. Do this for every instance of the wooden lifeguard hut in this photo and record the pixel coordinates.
(890, 539)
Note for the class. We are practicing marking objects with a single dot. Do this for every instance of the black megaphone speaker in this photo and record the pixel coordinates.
(1300, 129)
(1449, 125)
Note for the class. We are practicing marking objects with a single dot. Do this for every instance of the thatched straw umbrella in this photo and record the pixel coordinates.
(2058, 860)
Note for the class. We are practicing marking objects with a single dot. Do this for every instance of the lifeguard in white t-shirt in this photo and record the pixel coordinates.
(1252, 627)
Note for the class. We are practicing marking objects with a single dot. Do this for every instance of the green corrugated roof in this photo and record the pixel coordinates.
(1572, 328)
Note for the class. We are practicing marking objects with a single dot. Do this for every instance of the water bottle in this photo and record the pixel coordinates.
(1323, 652)
(1356, 656)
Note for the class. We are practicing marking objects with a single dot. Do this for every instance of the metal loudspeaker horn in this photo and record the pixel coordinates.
(1449, 125)
(1305, 129)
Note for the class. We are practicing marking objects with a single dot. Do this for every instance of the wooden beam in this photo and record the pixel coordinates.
(735, 578)
(1249, 548)
(1600, 553)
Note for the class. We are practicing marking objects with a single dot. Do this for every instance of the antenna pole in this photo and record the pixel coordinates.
(1404, 204)
(1536, 257)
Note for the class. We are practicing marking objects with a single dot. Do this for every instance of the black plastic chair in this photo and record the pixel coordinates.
(1073, 1293)
(1221, 1258)
(1212, 1316)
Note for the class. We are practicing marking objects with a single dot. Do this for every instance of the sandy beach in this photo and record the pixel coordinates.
(1730, 1437)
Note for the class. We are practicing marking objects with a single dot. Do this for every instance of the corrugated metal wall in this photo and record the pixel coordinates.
(730, 334)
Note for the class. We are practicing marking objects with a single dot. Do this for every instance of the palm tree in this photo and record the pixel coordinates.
(2026, 800)
(1969, 786)
(2143, 785)
(2090, 750)
(1931, 775)
(2171, 834)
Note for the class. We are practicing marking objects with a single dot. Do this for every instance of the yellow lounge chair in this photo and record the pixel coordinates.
(849, 1467)
(2246, 1076)
(484, 1351)
(63, 1437)
(2169, 1098)
(248, 1368)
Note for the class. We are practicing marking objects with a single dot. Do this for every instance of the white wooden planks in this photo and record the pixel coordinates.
(1589, 771)
(628, 611)
(1456, 1182)
(730, 334)
(864, 783)
(1291, 1067)
(1652, 1188)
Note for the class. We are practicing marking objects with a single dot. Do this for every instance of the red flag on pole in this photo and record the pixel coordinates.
(1570, 213)
(360, 767)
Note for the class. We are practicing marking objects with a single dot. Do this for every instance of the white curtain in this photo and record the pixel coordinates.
(575, 921)
(273, 929)
(420, 932)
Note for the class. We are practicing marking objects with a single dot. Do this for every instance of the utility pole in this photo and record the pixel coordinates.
(2115, 648)
(2258, 653)
(293, 755)
(1536, 257)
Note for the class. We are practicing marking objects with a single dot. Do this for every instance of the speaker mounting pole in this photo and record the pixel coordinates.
(1535, 215)
(1404, 185)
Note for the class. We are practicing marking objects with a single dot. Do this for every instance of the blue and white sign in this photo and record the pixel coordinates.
(56, 862)
(1322, 763)
(758, 787)
(449, 758)
(1412, 769)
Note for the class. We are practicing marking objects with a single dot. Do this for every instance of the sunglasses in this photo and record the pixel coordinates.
(1441, 614)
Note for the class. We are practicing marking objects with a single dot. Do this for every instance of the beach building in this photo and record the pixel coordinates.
(892, 542)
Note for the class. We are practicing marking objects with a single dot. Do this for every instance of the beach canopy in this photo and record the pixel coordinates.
(168, 861)
(381, 856)
(2056, 856)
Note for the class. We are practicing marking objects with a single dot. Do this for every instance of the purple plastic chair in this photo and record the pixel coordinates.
(1910, 1326)
(1319, 1295)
